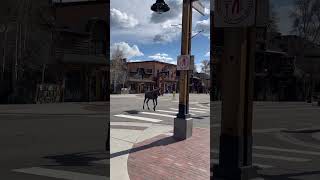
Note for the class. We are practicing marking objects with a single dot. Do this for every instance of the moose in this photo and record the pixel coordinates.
(151, 95)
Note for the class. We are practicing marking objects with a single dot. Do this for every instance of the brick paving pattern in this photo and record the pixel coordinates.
(162, 158)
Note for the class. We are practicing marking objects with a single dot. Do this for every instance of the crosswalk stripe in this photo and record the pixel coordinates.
(157, 114)
(190, 110)
(173, 112)
(287, 150)
(200, 109)
(60, 174)
(285, 158)
(130, 124)
(193, 102)
(263, 166)
(138, 118)
(202, 106)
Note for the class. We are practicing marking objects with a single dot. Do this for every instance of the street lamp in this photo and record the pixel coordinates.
(160, 7)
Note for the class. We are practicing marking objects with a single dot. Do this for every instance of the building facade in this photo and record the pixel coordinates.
(59, 45)
(148, 75)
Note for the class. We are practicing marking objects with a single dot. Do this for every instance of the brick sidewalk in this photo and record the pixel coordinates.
(163, 158)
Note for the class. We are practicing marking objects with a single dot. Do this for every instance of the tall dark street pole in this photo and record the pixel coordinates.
(237, 73)
(183, 122)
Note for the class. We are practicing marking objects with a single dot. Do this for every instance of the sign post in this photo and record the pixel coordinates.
(183, 123)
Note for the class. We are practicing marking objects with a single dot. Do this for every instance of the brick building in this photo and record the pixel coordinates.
(147, 75)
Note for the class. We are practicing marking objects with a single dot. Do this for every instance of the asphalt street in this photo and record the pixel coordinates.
(286, 139)
(286, 145)
(130, 108)
(48, 146)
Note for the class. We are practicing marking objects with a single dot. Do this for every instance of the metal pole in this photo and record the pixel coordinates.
(183, 124)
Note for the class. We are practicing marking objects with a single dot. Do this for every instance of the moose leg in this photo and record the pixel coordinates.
(148, 104)
(154, 105)
(144, 102)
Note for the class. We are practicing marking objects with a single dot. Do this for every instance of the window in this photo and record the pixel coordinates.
(149, 71)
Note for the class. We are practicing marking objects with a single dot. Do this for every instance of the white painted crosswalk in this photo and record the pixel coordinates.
(200, 109)
(138, 118)
(173, 112)
(194, 111)
(157, 114)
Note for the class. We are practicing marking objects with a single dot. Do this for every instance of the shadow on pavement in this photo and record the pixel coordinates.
(161, 142)
(132, 112)
(77, 159)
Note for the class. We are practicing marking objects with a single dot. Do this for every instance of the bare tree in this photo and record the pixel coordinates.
(306, 19)
(205, 66)
(306, 24)
(118, 68)
(273, 26)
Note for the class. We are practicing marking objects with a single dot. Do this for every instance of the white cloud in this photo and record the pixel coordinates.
(198, 67)
(207, 54)
(168, 33)
(121, 19)
(285, 22)
(204, 26)
(129, 51)
(152, 27)
(162, 57)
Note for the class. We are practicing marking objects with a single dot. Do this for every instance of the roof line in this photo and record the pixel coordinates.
(152, 61)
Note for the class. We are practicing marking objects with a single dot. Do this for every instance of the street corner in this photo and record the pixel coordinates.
(163, 157)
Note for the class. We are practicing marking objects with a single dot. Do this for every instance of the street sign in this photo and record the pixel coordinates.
(183, 63)
(199, 7)
(234, 13)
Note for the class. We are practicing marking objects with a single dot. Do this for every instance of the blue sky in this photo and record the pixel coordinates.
(144, 35)
(283, 8)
